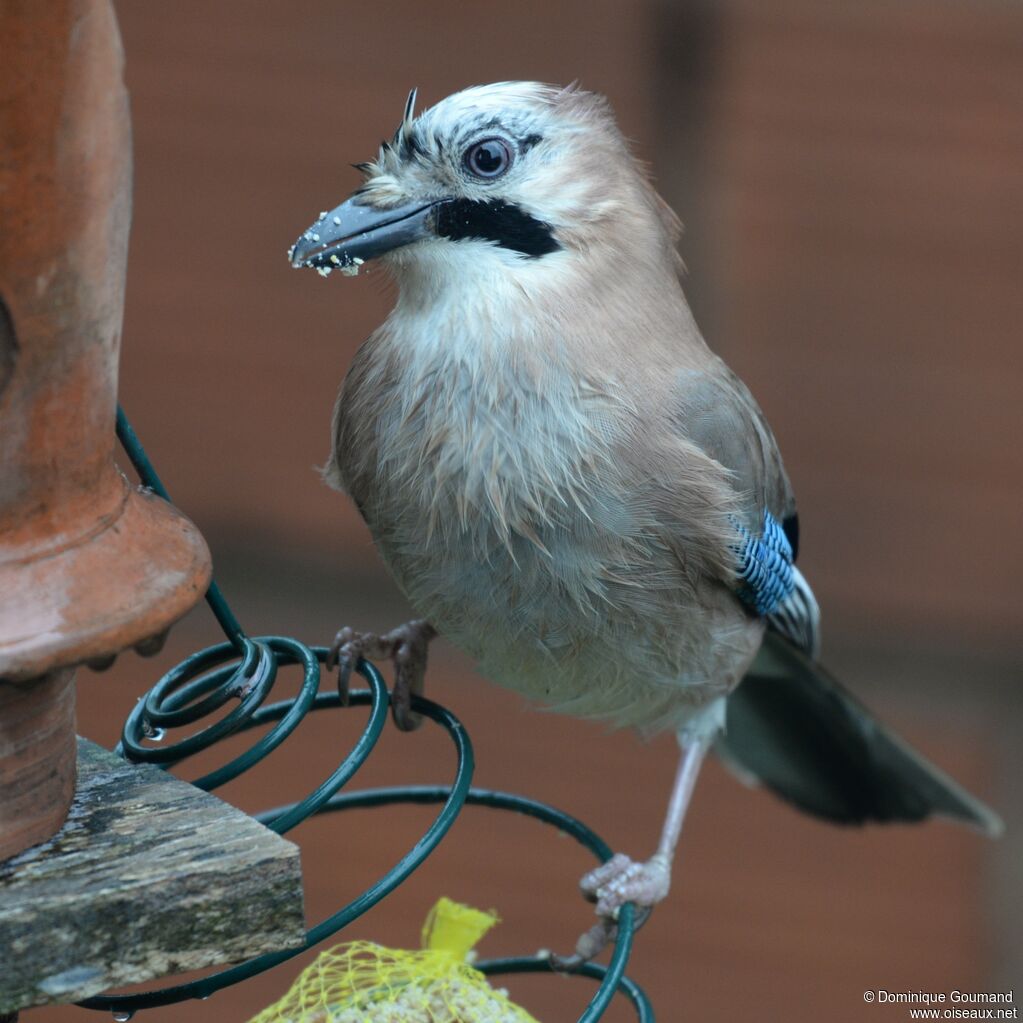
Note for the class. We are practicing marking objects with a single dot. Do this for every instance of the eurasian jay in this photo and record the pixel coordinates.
(569, 485)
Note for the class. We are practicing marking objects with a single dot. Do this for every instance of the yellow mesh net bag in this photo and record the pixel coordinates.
(360, 982)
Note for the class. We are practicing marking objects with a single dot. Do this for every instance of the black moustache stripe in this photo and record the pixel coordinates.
(508, 225)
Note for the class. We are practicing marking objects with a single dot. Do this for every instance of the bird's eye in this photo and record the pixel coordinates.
(488, 159)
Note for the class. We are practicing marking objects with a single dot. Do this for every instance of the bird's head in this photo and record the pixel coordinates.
(498, 179)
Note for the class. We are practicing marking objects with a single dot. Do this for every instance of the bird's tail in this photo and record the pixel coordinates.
(793, 728)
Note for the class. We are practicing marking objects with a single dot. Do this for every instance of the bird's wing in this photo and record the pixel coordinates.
(790, 725)
(715, 411)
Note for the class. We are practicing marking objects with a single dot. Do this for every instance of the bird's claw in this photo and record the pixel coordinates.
(588, 947)
(595, 940)
(622, 880)
(611, 886)
(344, 654)
(406, 646)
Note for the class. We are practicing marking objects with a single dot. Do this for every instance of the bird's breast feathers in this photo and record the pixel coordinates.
(502, 496)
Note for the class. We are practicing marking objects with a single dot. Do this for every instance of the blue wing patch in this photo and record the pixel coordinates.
(772, 587)
(764, 566)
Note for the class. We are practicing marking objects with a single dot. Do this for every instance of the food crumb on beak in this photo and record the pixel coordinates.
(348, 269)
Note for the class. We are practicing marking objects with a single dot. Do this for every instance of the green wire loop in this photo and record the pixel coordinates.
(245, 669)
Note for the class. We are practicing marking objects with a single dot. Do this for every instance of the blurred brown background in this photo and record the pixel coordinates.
(851, 177)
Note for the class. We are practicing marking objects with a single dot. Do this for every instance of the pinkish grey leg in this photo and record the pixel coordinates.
(406, 647)
(623, 880)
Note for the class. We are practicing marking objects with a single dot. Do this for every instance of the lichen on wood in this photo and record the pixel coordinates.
(149, 876)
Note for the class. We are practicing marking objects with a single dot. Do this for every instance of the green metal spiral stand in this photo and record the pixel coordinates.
(244, 669)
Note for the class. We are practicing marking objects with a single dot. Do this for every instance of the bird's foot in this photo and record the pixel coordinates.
(406, 647)
(622, 880)
(611, 886)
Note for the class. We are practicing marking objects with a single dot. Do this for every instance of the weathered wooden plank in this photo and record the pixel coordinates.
(149, 876)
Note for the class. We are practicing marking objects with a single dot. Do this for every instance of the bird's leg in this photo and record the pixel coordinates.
(406, 646)
(622, 880)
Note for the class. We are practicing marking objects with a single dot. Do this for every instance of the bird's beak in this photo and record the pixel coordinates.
(347, 236)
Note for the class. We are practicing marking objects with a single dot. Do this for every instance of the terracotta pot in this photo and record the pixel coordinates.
(37, 754)
(89, 565)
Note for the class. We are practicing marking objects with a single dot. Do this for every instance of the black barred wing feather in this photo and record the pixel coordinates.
(771, 586)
